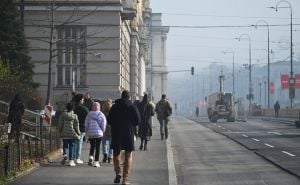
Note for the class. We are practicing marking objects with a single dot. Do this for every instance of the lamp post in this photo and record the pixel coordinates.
(267, 25)
(259, 93)
(265, 82)
(291, 80)
(233, 78)
(250, 68)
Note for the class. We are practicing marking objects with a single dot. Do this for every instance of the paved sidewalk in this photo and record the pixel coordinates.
(149, 167)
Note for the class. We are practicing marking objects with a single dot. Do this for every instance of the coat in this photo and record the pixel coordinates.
(68, 125)
(146, 111)
(123, 118)
(81, 112)
(163, 109)
(95, 123)
(105, 109)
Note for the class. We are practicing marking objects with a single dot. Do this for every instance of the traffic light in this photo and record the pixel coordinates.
(192, 70)
(250, 96)
(292, 92)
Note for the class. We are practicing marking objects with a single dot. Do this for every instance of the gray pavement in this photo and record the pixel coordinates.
(149, 167)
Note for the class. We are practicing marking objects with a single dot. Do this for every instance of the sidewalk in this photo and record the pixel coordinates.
(149, 167)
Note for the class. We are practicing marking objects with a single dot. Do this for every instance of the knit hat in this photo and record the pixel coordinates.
(96, 106)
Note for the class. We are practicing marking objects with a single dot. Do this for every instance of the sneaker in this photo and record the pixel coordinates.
(63, 162)
(96, 164)
(117, 179)
(72, 163)
(91, 158)
(104, 158)
(109, 161)
(79, 161)
(126, 183)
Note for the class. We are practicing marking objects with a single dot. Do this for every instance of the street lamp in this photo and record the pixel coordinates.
(259, 93)
(265, 82)
(233, 79)
(250, 96)
(266, 23)
(291, 80)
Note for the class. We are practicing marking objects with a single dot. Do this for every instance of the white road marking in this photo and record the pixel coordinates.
(271, 146)
(223, 128)
(255, 139)
(219, 126)
(276, 133)
(229, 130)
(292, 155)
(244, 135)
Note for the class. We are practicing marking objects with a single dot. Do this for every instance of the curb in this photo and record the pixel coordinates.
(171, 166)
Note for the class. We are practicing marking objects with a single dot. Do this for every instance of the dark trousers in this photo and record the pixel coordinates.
(95, 144)
(164, 126)
(276, 113)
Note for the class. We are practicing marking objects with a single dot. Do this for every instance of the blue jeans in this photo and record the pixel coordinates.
(78, 147)
(69, 145)
(106, 143)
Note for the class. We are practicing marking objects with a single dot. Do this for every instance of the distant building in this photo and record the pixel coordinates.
(157, 69)
(100, 46)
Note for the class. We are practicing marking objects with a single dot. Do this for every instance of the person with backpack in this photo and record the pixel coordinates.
(163, 110)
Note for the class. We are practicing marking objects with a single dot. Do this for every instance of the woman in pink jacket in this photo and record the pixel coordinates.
(95, 123)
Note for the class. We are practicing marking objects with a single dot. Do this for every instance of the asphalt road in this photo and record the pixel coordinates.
(204, 157)
(275, 141)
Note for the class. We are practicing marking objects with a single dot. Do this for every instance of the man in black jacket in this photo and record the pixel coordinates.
(16, 110)
(81, 112)
(163, 110)
(123, 118)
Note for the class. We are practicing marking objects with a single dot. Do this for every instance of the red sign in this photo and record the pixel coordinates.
(297, 85)
(284, 81)
(272, 88)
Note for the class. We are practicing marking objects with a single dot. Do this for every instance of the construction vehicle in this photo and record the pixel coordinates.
(220, 105)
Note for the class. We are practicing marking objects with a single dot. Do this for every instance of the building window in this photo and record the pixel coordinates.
(71, 50)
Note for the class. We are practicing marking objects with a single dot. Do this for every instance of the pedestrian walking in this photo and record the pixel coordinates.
(197, 111)
(88, 101)
(163, 110)
(276, 108)
(81, 111)
(95, 124)
(123, 118)
(15, 112)
(146, 110)
(68, 127)
(106, 141)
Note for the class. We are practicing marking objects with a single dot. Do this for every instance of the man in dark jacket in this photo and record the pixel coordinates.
(163, 110)
(16, 110)
(81, 111)
(123, 118)
(88, 101)
(277, 108)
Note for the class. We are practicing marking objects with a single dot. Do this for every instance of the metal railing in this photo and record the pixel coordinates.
(36, 140)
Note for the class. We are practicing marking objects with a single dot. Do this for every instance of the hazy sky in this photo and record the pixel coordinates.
(199, 47)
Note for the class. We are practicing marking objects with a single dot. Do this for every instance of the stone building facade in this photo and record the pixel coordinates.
(157, 67)
(97, 46)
